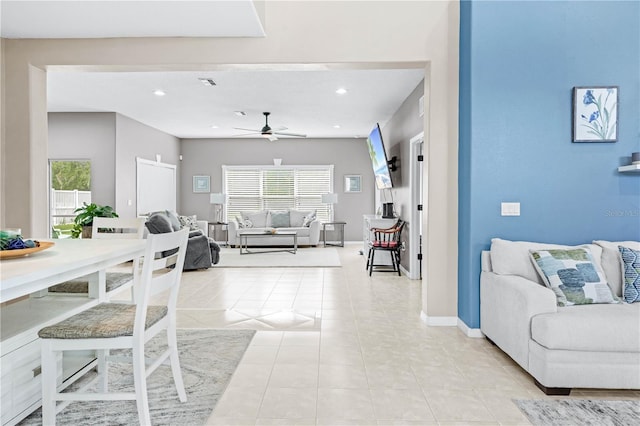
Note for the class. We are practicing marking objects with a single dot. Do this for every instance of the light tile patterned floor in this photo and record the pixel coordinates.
(337, 347)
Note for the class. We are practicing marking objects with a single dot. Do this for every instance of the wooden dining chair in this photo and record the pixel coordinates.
(387, 240)
(121, 326)
(107, 228)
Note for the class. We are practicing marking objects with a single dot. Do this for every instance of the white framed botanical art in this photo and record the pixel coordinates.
(595, 114)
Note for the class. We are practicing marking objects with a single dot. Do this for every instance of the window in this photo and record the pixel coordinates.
(251, 188)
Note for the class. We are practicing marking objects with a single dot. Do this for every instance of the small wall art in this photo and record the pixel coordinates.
(202, 184)
(352, 183)
(595, 114)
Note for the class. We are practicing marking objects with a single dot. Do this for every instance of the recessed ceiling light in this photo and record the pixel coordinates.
(341, 91)
(337, 126)
(240, 113)
(159, 92)
(213, 126)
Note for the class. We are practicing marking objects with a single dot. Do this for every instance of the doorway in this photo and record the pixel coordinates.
(417, 206)
(69, 188)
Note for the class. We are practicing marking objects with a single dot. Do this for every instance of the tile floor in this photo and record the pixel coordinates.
(337, 347)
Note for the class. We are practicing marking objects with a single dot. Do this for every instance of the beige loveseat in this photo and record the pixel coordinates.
(304, 223)
(562, 347)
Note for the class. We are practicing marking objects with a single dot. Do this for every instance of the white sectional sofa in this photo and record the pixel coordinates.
(304, 223)
(562, 347)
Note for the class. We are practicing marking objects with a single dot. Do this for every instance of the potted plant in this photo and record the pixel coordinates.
(84, 219)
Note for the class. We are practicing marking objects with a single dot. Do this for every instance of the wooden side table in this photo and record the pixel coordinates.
(339, 228)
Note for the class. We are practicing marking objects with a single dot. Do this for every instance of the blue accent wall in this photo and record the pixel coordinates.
(519, 61)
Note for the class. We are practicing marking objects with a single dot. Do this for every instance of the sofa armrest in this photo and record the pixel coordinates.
(507, 304)
(314, 232)
(232, 232)
(204, 226)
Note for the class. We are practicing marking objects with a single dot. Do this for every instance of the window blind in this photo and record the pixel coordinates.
(251, 188)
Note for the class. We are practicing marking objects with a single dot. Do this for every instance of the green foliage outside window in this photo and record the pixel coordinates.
(70, 175)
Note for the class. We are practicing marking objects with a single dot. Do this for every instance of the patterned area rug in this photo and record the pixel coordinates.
(208, 359)
(580, 412)
(305, 257)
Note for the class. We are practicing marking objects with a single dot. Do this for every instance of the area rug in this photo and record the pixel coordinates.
(208, 359)
(305, 257)
(580, 412)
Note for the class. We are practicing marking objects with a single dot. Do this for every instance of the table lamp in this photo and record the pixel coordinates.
(218, 199)
(331, 199)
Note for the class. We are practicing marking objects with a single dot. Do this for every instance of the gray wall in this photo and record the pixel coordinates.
(404, 125)
(134, 139)
(349, 156)
(87, 136)
(112, 142)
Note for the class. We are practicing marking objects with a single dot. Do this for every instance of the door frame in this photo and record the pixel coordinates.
(416, 173)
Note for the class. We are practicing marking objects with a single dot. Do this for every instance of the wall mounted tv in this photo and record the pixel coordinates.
(382, 167)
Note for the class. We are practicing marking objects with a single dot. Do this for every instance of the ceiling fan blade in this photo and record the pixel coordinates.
(248, 130)
(246, 134)
(279, 129)
(271, 138)
(299, 135)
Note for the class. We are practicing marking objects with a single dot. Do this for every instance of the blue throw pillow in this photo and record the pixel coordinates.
(280, 219)
(631, 270)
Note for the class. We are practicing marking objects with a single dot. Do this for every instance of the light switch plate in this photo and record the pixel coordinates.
(510, 209)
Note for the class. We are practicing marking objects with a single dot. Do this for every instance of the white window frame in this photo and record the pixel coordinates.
(324, 211)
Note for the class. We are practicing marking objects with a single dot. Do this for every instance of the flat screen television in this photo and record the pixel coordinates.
(379, 159)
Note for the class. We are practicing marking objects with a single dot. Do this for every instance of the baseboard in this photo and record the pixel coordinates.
(438, 321)
(469, 332)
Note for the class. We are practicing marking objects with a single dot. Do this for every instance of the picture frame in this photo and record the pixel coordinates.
(595, 114)
(352, 183)
(202, 184)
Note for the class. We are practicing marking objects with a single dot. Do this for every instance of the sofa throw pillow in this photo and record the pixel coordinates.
(513, 258)
(279, 218)
(257, 219)
(296, 217)
(189, 221)
(240, 221)
(612, 264)
(158, 223)
(306, 222)
(573, 276)
(173, 220)
(631, 274)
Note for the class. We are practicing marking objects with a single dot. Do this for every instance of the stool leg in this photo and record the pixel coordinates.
(49, 373)
(373, 254)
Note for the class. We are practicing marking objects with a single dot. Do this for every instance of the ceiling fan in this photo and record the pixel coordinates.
(268, 132)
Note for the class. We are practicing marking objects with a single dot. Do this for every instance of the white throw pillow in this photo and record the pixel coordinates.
(512, 257)
(257, 219)
(296, 217)
(612, 263)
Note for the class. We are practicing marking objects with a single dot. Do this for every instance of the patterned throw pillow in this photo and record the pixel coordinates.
(308, 219)
(257, 219)
(279, 219)
(631, 273)
(240, 222)
(573, 276)
(189, 221)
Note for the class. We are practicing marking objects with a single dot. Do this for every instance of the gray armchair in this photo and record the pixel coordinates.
(202, 251)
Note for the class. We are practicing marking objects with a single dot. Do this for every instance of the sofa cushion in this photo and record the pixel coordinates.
(573, 276)
(611, 263)
(601, 328)
(158, 223)
(302, 232)
(279, 218)
(512, 257)
(296, 217)
(255, 219)
(631, 271)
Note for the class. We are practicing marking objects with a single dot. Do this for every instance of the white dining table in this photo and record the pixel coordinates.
(67, 259)
(27, 307)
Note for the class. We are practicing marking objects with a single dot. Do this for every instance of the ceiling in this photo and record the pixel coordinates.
(301, 99)
(114, 18)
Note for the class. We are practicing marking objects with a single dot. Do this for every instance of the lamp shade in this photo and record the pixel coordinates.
(217, 198)
(330, 198)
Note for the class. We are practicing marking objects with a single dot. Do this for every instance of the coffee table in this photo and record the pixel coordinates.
(244, 236)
